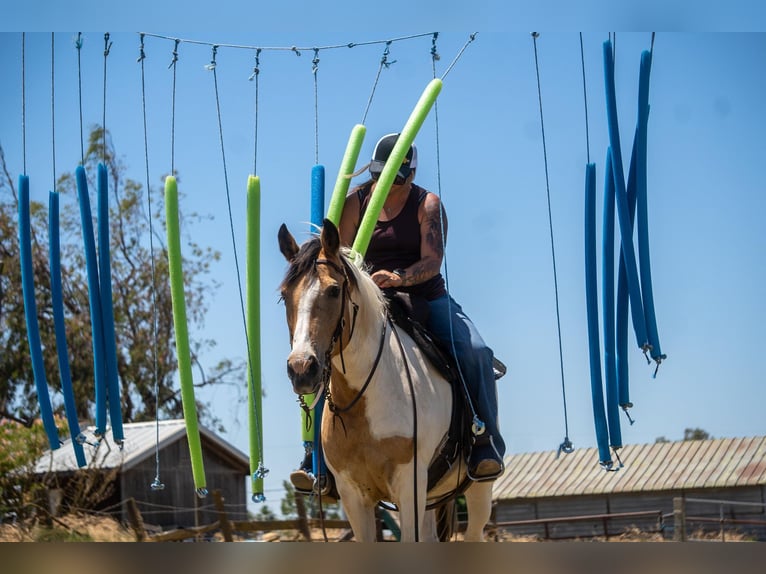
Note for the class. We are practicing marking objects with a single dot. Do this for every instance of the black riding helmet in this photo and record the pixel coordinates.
(383, 149)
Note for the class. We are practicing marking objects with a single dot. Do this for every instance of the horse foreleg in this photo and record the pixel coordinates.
(361, 516)
(478, 499)
(412, 514)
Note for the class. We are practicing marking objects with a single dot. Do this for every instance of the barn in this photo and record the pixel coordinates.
(712, 485)
(131, 471)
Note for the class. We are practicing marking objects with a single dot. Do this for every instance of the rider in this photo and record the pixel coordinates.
(405, 254)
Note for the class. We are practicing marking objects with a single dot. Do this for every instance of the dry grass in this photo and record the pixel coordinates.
(70, 528)
(92, 528)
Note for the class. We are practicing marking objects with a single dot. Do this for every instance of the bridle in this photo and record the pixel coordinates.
(337, 338)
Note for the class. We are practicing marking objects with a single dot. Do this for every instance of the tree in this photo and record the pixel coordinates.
(146, 360)
(696, 434)
(689, 434)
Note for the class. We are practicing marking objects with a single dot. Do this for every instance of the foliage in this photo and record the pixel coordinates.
(146, 361)
(696, 434)
(20, 448)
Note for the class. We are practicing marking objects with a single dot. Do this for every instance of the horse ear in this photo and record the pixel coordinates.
(287, 244)
(330, 238)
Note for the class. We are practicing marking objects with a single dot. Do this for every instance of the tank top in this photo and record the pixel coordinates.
(395, 244)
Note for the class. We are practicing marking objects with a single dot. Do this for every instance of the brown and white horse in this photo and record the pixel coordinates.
(387, 409)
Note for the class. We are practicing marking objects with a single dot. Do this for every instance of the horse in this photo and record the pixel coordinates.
(387, 408)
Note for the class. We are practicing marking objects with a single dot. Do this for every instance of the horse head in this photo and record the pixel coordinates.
(314, 291)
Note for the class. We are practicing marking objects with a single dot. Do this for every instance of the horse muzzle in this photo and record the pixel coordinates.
(305, 373)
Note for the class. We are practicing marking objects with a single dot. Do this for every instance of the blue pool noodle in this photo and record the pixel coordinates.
(591, 294)
(94, 299)
(107, 308)
(317, 196)
(607, 282)
(57, 300)
(634, 289)
(30, 314)
(317, 216)
(642, 207)
(621, 346)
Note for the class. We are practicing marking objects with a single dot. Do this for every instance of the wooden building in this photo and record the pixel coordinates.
(721, 483)
(134, 469)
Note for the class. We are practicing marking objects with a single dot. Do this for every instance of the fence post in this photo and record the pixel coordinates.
(223, 520)
(136, 521)
(679, 519)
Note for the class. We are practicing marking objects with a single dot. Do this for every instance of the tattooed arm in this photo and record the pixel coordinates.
(431, 241)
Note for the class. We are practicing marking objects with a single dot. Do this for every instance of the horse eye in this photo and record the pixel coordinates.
(333, 291)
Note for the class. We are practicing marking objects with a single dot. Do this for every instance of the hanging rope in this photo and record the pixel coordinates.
(107, 48)
(156, 484)
(471, 38)
(315, 72)
(585, 98)
(78, 45)
(566, 446)
(23, 104)
(384, 63)
(212, 67)
(255, 76)
(53, 111)
(173, 111)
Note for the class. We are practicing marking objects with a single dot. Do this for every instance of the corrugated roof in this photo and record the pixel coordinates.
(141, 440)
(683, 465)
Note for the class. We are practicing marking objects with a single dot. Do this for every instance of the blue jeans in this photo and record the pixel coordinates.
(474, 359)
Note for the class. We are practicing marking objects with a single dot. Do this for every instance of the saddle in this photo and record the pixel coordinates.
(411, 314)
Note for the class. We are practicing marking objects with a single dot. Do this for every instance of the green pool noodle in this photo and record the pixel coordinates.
(410, 130)
(347, 167)
(182, 334)
(254, 328)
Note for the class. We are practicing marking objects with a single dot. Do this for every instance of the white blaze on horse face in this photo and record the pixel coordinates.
(303, 345)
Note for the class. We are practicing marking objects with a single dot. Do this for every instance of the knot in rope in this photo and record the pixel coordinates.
(78, 41)
(434, 53)
(175, 54)
(256, 69)
(384, 60)
(315, 61)
(107, 44)
(141, 53)
(212, 64)
(295, 49)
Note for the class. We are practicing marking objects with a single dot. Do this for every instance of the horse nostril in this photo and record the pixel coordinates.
(306, 366)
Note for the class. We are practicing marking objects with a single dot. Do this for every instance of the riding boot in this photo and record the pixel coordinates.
(484, 462)
(303, 477)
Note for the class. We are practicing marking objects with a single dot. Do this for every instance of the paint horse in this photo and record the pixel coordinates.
(387, 409)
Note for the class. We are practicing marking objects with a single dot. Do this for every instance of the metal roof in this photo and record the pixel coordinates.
(141, 442)
(683, 465)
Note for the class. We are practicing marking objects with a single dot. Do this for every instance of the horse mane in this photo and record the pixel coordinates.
(304, 264)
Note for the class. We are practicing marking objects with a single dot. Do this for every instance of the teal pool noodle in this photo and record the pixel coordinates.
(347, 167)
(314, 426)
(94, 300)
(607, 293)
(386, 179)
(30, 315)
(626, 230)
(178, 297)
(622, 321)
(253, 325)
(107, 307)
(57, 302)
(591, 300)
(317, 196)
(642, 217)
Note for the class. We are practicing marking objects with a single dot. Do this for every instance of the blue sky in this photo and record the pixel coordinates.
(705, 187)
